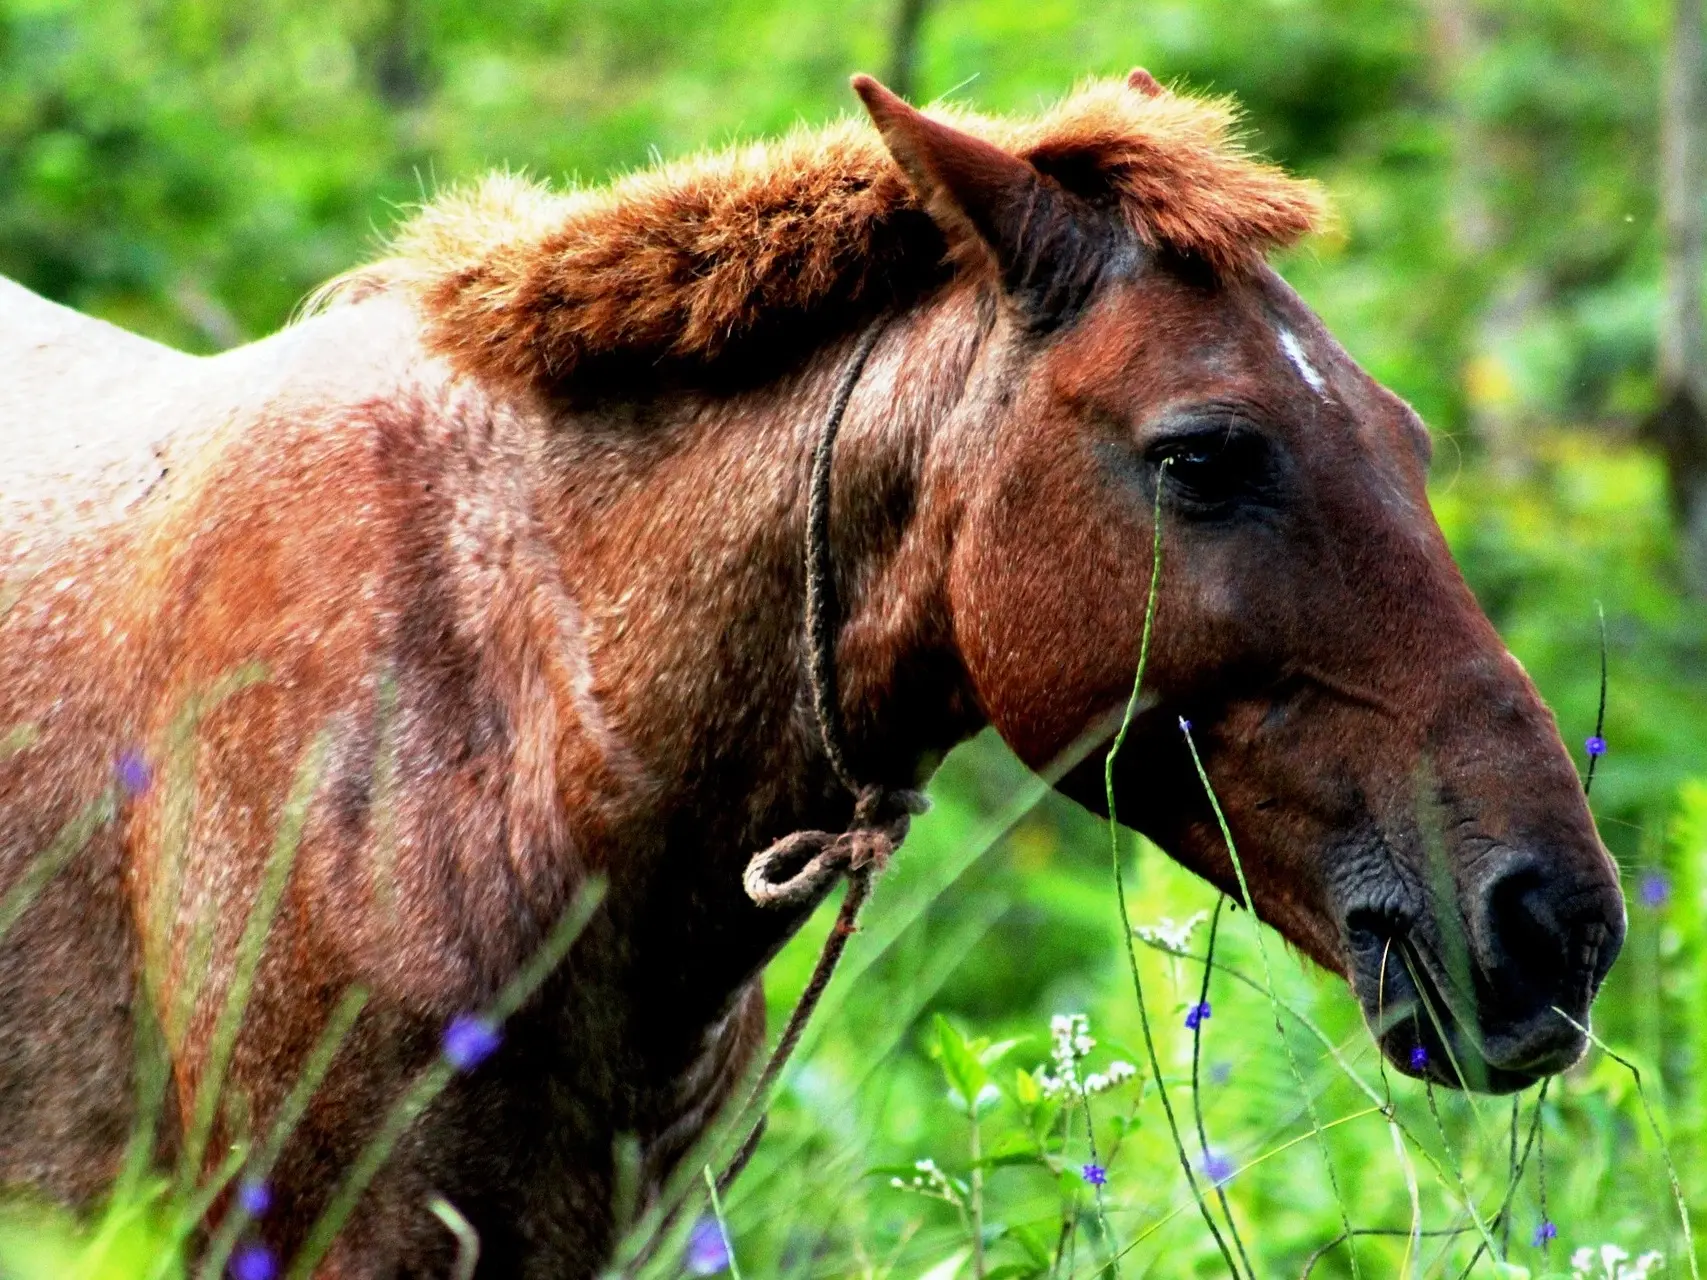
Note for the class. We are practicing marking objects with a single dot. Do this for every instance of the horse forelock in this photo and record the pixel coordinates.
(776, 243)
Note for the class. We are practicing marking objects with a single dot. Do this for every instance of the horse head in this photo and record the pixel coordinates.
(1397, 793)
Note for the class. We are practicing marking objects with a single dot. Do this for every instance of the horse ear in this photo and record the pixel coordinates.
(1048, 255)
(1143, 82)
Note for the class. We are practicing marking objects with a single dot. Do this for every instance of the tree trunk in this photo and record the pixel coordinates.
(1500, 297)
(1679, 425)
(402, 69)
(904, 46)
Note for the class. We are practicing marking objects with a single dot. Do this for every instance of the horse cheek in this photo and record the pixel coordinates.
(1040, 605)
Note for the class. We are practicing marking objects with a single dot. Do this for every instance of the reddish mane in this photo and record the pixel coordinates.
(687, 261)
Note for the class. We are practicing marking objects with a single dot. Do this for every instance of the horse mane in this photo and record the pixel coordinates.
(755, 245)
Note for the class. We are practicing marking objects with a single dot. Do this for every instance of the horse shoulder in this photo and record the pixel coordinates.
(365, 536)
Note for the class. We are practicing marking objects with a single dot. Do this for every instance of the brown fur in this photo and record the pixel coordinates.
(550, 625)
(690, 260)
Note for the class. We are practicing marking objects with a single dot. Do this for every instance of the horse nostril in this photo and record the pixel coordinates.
(1548, 939)
(1524, 933)
(1373, 930)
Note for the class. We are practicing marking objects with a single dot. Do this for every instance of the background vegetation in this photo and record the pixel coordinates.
(191, 168)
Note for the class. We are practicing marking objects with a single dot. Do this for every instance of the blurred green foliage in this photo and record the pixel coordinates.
(191, 168)
(132, 1238)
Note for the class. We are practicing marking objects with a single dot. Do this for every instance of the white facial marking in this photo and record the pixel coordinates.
(1295, 353)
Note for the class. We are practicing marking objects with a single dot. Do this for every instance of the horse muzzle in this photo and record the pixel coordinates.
(1495, 995)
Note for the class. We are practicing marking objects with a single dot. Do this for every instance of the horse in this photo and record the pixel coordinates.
(485, 578)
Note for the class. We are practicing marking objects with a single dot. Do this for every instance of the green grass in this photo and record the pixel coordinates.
(809, 1208)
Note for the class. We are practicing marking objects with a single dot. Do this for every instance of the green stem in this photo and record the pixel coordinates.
(977, 1181)
(1120, 884)
(722, 1224)
(467, 1238)
(432, 1081)
(250, 947)
(1659, 1137)
(1268, 978)
(290, 1114)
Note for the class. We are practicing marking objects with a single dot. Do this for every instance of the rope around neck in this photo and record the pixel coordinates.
(798, 869)
(822, 612)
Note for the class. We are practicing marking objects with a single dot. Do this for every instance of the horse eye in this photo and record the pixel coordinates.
(1211, 469)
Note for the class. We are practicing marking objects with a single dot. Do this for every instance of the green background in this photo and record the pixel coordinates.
(192, 169)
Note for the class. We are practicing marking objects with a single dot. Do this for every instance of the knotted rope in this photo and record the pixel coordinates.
(819, 858)
(798, 869)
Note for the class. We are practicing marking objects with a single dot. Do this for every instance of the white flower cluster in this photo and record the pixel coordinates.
(928, 1181)
(1612, 1260)
(1118, 1073)
(1071, 1034)
(1169, 934)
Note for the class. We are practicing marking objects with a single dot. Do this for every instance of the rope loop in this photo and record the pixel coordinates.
(799, 868)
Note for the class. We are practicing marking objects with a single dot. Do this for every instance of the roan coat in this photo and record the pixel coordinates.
(504, 540)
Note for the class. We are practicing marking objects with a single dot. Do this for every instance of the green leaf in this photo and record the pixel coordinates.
(907, 1171)
(1120, 1049)
(1035, 1246)
(1042, 1118)
(1013, 1144)
(1011, 1159)
(949, 1267)
(966, 1076)
(1026, 1090)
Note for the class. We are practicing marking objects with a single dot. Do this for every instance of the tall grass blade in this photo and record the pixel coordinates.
(432, 1081)
(191, 1213)
(467, 1238)
(66, 845)
(722, 1224)
(294, 1107)
(17, 739)
(250, 947)
(1274, 1000)
(1120, 879)
(1197, 1083)
(1659, 1137)
(1600, 712)
(1253, 1163)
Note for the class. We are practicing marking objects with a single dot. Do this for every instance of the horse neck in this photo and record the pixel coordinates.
(683, 520)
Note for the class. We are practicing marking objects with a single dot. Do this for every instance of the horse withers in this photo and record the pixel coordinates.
(505, 539)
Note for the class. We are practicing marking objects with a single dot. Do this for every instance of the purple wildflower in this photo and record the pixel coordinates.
(1220, 1072)
(1094, 1174)
(133, 773)
(1656, 890)
(1419, 1059)
(1543, 1233)
(1595, 746)
(708, 1252)
(253, 1261)
(1217, 1168)
(469, 1041)
(254, 1198)
(1185, 725)
(1196, 1016)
